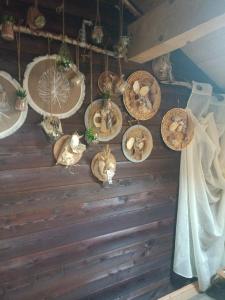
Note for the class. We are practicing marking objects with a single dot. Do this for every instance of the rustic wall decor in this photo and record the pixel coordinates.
(51, 91)
(105, 117)
(10, 118)
(103, 165)
(142, 97)
(137, 143)
(177, 129)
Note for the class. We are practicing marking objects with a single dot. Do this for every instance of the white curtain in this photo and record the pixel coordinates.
(200, 230)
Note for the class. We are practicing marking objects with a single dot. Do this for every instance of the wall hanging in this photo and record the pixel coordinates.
(142, 96)
(10, 118)
(50, 91)
(177, 129)
(105, 117)
(103, 165)
(137, 143)
(68, 150)
(7, 32)
(35, 19)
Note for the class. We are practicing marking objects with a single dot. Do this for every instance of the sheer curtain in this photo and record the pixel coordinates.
(200, 230)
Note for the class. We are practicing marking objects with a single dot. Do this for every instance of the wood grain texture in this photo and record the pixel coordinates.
(65, 236)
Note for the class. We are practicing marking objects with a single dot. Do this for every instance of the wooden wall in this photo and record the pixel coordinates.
(65, 236)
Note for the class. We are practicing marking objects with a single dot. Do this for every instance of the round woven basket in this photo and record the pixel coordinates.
(145, 79)
(89, 115)
(176, 140)
(137, 131)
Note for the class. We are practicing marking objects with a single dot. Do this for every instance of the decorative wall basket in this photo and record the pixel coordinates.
(107, 82)
(142, 96)
(137, 143)
(66, 153)
(98, 117)
(177, 129)
(51, 91)
(10, 118)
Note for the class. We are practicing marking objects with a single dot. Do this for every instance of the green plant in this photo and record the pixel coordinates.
(106, 95)
(90, 136)
(7, 18)
(64, 62)
(21, 93)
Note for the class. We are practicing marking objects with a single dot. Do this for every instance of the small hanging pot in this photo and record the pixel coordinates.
(97, 34)
(121, 85)
(52, 127)
(7, 28)
(35, 19)
(21, 100)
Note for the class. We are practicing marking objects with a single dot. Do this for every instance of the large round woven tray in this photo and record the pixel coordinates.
(169, 136)
(94, 166)
(145, 79)
(10, 119)
(138, 131)
(88, 119)
(58, 147)
(51, 91)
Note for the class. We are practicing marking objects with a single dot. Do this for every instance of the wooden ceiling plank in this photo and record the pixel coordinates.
(172, 25)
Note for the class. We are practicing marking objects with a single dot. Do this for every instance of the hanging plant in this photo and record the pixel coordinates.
(35, 19)
(21, 101)
(97, 33)
(63, 63)
(90, 136)
(7, 22)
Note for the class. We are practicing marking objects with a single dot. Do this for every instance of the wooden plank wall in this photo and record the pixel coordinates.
(65, 236)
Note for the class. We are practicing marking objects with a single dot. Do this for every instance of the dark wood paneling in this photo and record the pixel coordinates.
(65, 236)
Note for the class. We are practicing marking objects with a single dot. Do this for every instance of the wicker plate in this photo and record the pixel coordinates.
(173, 139)
(58, 147)
(138, 131)
(88, 119)
(145, 79)
(94, 167)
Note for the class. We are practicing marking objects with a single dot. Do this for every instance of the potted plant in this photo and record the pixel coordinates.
(21, 101)
(63, 63)
(90, 136)
(7, 22)
(106, 95)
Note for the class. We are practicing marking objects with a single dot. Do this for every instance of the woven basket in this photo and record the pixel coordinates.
(144, 78)
(169, 136)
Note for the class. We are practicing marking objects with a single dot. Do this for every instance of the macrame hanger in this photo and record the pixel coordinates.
(106, 63)
(120, 66)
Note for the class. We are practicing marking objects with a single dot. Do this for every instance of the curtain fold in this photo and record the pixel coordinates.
(200, 230)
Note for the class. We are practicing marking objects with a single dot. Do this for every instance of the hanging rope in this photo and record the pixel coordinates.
(63, 20)
(78, 57)
(91, 76)
(18, 44)
(98, 18)
(106, 63)
(120, 66)
(121, 18)
(49, 53)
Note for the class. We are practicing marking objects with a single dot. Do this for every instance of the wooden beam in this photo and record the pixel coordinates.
(132, 9)
(172, 25)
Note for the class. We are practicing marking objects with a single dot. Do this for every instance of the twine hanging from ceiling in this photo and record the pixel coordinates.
(18, 45)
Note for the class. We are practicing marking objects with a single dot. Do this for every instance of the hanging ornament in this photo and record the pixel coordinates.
(162, 68)
(122, 84)
(7, 22)
(78, 79)
(122, 46)
(97, 33)
(35, 19)
(103, 165)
